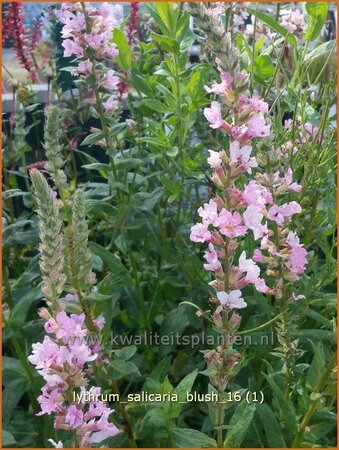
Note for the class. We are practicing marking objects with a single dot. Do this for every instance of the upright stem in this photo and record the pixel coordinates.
(128, 428)
(312, 407)
(220, 421)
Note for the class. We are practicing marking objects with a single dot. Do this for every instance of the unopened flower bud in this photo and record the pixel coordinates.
(241, 80)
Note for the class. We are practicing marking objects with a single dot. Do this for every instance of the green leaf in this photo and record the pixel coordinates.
(239, 424)
(285, 406)
(317, 367)
(92, 138)
(189, 438)
(155, 105)
(185, 385)
(323, 50)
(124, 59)
(168, 12)
(263, 66)
(119, 369)
(316, 17)
(13, 374)
(112, 262)
(19, 312)
(141, 83)
(272, 23)
(126, 352)
(11, 396)
(129, 163)
(8, 439)
(273, 432)
(167, 43)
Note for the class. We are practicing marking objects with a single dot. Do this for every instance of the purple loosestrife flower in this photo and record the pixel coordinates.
(64, 358)
(242, 207)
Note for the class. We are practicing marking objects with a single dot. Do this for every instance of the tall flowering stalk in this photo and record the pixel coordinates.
(244, 204)
(87, 35)
(64, 359)
(131, 32)
(23, 41)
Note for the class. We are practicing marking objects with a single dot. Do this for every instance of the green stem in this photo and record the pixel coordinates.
(128, 428)
(261, 327)
(313, 405)
(219, 422)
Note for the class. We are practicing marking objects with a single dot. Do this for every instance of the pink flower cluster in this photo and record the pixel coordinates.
(78, 34)
(249, 121)
(294, 21)
(63, 363)
(87, 35)
(303, 133)
(255, 208)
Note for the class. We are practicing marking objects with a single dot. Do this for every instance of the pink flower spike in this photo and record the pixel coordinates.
(231, 300)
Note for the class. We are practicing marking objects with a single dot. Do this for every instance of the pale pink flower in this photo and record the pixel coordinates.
(85, 67)
(211, 256)
(252, 218)
(258, 256)
(49, 400)
(257, 127)
(221, 88)
(111, 81)
(241, 156)
(72, 48)
(64, 326)
(232, 299)
(288, 180)
(74, 416)
(252, 273)
(99, 322)
(213, 115)
(257, 195)
(111, 104)
(258, 105)
(209, 213)
(231, 225)
(214, 160)
(105, 429)
(200, 233)
(280, 213)
(44, 353)
(72, 297)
